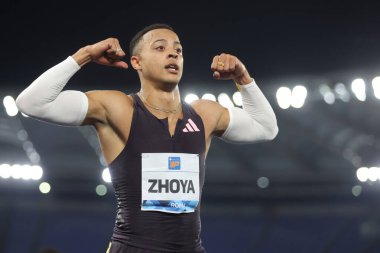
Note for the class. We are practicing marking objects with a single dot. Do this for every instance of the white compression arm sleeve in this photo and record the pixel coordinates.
(44, 100)
(256, 122)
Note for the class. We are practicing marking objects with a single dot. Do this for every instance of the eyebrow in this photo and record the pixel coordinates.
(159, 40)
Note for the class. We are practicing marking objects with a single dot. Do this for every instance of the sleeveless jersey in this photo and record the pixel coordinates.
(156, 230)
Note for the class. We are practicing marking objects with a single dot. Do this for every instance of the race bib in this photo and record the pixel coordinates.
(170, 182)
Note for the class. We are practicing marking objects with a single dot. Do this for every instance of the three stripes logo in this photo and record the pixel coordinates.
(190, 127)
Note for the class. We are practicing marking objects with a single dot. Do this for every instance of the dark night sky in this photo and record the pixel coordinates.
(274, 40)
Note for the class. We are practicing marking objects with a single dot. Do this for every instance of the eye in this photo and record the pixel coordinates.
(160, 48)
(179, 51)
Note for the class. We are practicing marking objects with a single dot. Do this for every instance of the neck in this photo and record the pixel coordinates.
(165, 100)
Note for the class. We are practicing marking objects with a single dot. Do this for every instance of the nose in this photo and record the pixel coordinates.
(173, 54)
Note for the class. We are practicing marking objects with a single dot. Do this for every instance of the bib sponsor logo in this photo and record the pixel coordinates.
(174, 163)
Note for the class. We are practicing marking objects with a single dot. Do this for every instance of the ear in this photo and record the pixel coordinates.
(135, 62)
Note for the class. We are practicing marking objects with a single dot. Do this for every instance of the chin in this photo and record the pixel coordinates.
(173, 80)
(170, 84)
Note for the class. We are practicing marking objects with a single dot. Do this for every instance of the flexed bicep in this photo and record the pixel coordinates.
(96, 112)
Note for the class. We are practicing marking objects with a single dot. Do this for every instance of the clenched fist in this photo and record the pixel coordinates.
(106, 52)
(229, 67)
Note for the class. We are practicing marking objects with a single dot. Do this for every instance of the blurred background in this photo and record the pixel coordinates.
(315, 188)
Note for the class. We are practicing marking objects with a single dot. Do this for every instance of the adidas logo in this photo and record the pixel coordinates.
(190, 127)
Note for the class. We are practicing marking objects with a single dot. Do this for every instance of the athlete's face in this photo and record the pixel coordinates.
(160, 56)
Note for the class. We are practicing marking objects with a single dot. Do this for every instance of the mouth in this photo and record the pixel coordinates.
(172, 68)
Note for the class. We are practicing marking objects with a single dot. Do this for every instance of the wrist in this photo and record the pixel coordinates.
(244, 79)
(82, 56)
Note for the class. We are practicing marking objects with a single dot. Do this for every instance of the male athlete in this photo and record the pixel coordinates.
(155, 144)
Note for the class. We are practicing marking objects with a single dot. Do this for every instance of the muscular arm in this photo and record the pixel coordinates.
(109, 111)
(45, 100)
(255, 122)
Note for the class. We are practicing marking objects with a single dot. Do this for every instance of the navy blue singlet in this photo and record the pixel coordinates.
(151, 230)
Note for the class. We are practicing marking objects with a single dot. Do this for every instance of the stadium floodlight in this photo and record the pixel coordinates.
(263, 182)
(106, 175)
(373, 173)
(36, 172)
(359, 89)
(236, 97)
(10, 106)
(329, 98)
(376, 86)
(34, 157)
(190, 98)
(327, 94)
(362, 174)
(225, 100)
(342, 92)
(45, 187)
(26, 172)
(17, 171)
(356, 190)
(209, 96)
(101, 190)
(5, 171)
(284, 96)
(299, 94)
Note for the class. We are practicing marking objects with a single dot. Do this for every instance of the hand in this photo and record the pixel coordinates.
(229, 67)
(106, 52)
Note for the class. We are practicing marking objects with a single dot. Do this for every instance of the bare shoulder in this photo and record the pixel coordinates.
(108, 100)
(107, 96)
(207, 108)
(215, 117)
(104, 104)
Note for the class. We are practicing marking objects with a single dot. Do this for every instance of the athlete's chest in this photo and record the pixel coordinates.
(161, 135)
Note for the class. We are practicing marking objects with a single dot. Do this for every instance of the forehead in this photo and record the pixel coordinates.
(157, 34)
